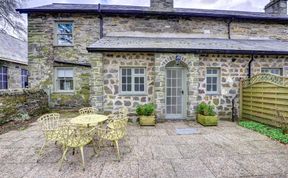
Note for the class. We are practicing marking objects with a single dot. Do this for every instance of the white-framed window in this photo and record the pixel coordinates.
(277, 71)
(24, 78)
(64, 79)
(213, 80)
(3, 77)
(64, 33)
(133, 80)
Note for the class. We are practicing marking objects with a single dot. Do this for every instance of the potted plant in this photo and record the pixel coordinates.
(206, 115)
(146, 114)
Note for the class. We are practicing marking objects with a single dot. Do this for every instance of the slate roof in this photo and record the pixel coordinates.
(195, 45)
(13, 49)
(140, 10)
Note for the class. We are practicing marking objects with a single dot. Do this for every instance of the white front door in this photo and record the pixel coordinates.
(175, 93)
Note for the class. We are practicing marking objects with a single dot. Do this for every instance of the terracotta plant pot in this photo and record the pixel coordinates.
(147, 121)
(207, 120)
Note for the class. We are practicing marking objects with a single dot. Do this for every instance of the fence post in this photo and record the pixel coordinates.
(240, 99)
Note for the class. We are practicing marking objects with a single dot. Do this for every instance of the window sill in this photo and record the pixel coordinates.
(64, 92)
(213, 94)
(56, 45)
(133, 94)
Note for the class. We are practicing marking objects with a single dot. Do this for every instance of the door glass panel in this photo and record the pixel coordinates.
(174, 96)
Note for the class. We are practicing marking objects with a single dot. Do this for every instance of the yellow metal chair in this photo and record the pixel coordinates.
(87, 110)
(76, 137)
(113, 134)
(50, 125)
(123, 111)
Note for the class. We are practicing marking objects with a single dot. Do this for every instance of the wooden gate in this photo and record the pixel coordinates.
(262, 96)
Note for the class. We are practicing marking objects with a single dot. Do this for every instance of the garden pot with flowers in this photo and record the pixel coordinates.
(146, 114)
(206, 115)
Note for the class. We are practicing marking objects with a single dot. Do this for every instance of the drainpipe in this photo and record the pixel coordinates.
(250, 66)
(101, 21)
(229, 28)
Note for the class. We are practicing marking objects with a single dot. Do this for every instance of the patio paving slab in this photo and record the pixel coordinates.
(223, 151)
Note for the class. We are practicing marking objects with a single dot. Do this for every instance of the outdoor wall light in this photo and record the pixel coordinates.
(178, 59)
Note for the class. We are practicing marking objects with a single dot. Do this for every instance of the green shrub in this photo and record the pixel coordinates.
(272, 132)
(205, 109)
(145, 110)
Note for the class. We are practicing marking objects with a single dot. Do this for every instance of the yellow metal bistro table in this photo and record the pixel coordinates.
(88, 120)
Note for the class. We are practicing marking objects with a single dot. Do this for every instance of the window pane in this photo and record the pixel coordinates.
(209, 71)
(141, 87)
(129, 71)
(123, 71)
(128, 79)
(214, 87)
(209, 80)
(64, 28)
(129, 88)
(137, 80)
(215, 71)
(3, 77)
(123, 87)
(124, 80)
(136, 71)
(142, 80)
(60, 73)
(209, 88)
(137, 87)
(141, 71)
(65, 39)
(68, 73)
(214, 80)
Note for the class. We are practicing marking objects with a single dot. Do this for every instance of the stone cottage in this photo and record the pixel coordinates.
(13, 63)
(110, 56)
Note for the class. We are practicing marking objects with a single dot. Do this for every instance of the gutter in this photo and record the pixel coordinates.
(154, 13)
(186, 50)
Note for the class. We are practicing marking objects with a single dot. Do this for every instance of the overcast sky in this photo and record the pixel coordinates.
(243, 5)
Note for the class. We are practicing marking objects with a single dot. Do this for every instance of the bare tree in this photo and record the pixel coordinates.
(10, 19)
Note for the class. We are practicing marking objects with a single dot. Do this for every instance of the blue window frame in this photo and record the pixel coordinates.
(24, 78)
(3, 77)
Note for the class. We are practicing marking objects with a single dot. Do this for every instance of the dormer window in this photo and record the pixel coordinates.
(64, 33)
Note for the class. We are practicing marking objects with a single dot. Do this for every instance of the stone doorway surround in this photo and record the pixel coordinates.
(192, 63)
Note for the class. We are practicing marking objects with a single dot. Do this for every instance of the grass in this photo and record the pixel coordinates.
(272, 132)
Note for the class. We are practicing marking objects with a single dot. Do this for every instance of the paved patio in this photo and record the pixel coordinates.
(224, 151)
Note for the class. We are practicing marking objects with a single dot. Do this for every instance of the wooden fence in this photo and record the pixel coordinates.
(262, 96)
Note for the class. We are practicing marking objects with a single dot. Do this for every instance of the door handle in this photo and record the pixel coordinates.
(182, 92)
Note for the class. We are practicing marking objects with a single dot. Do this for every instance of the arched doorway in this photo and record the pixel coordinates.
(176, 90)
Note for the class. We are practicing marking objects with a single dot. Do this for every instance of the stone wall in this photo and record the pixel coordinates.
(22, 104)
(231, 73)
(42, 54)
(191, 61)
(259, 30)
(14, 74)
(81, 94)
(111, 66)
(165, 27)
(268, 61)
(193, 27)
